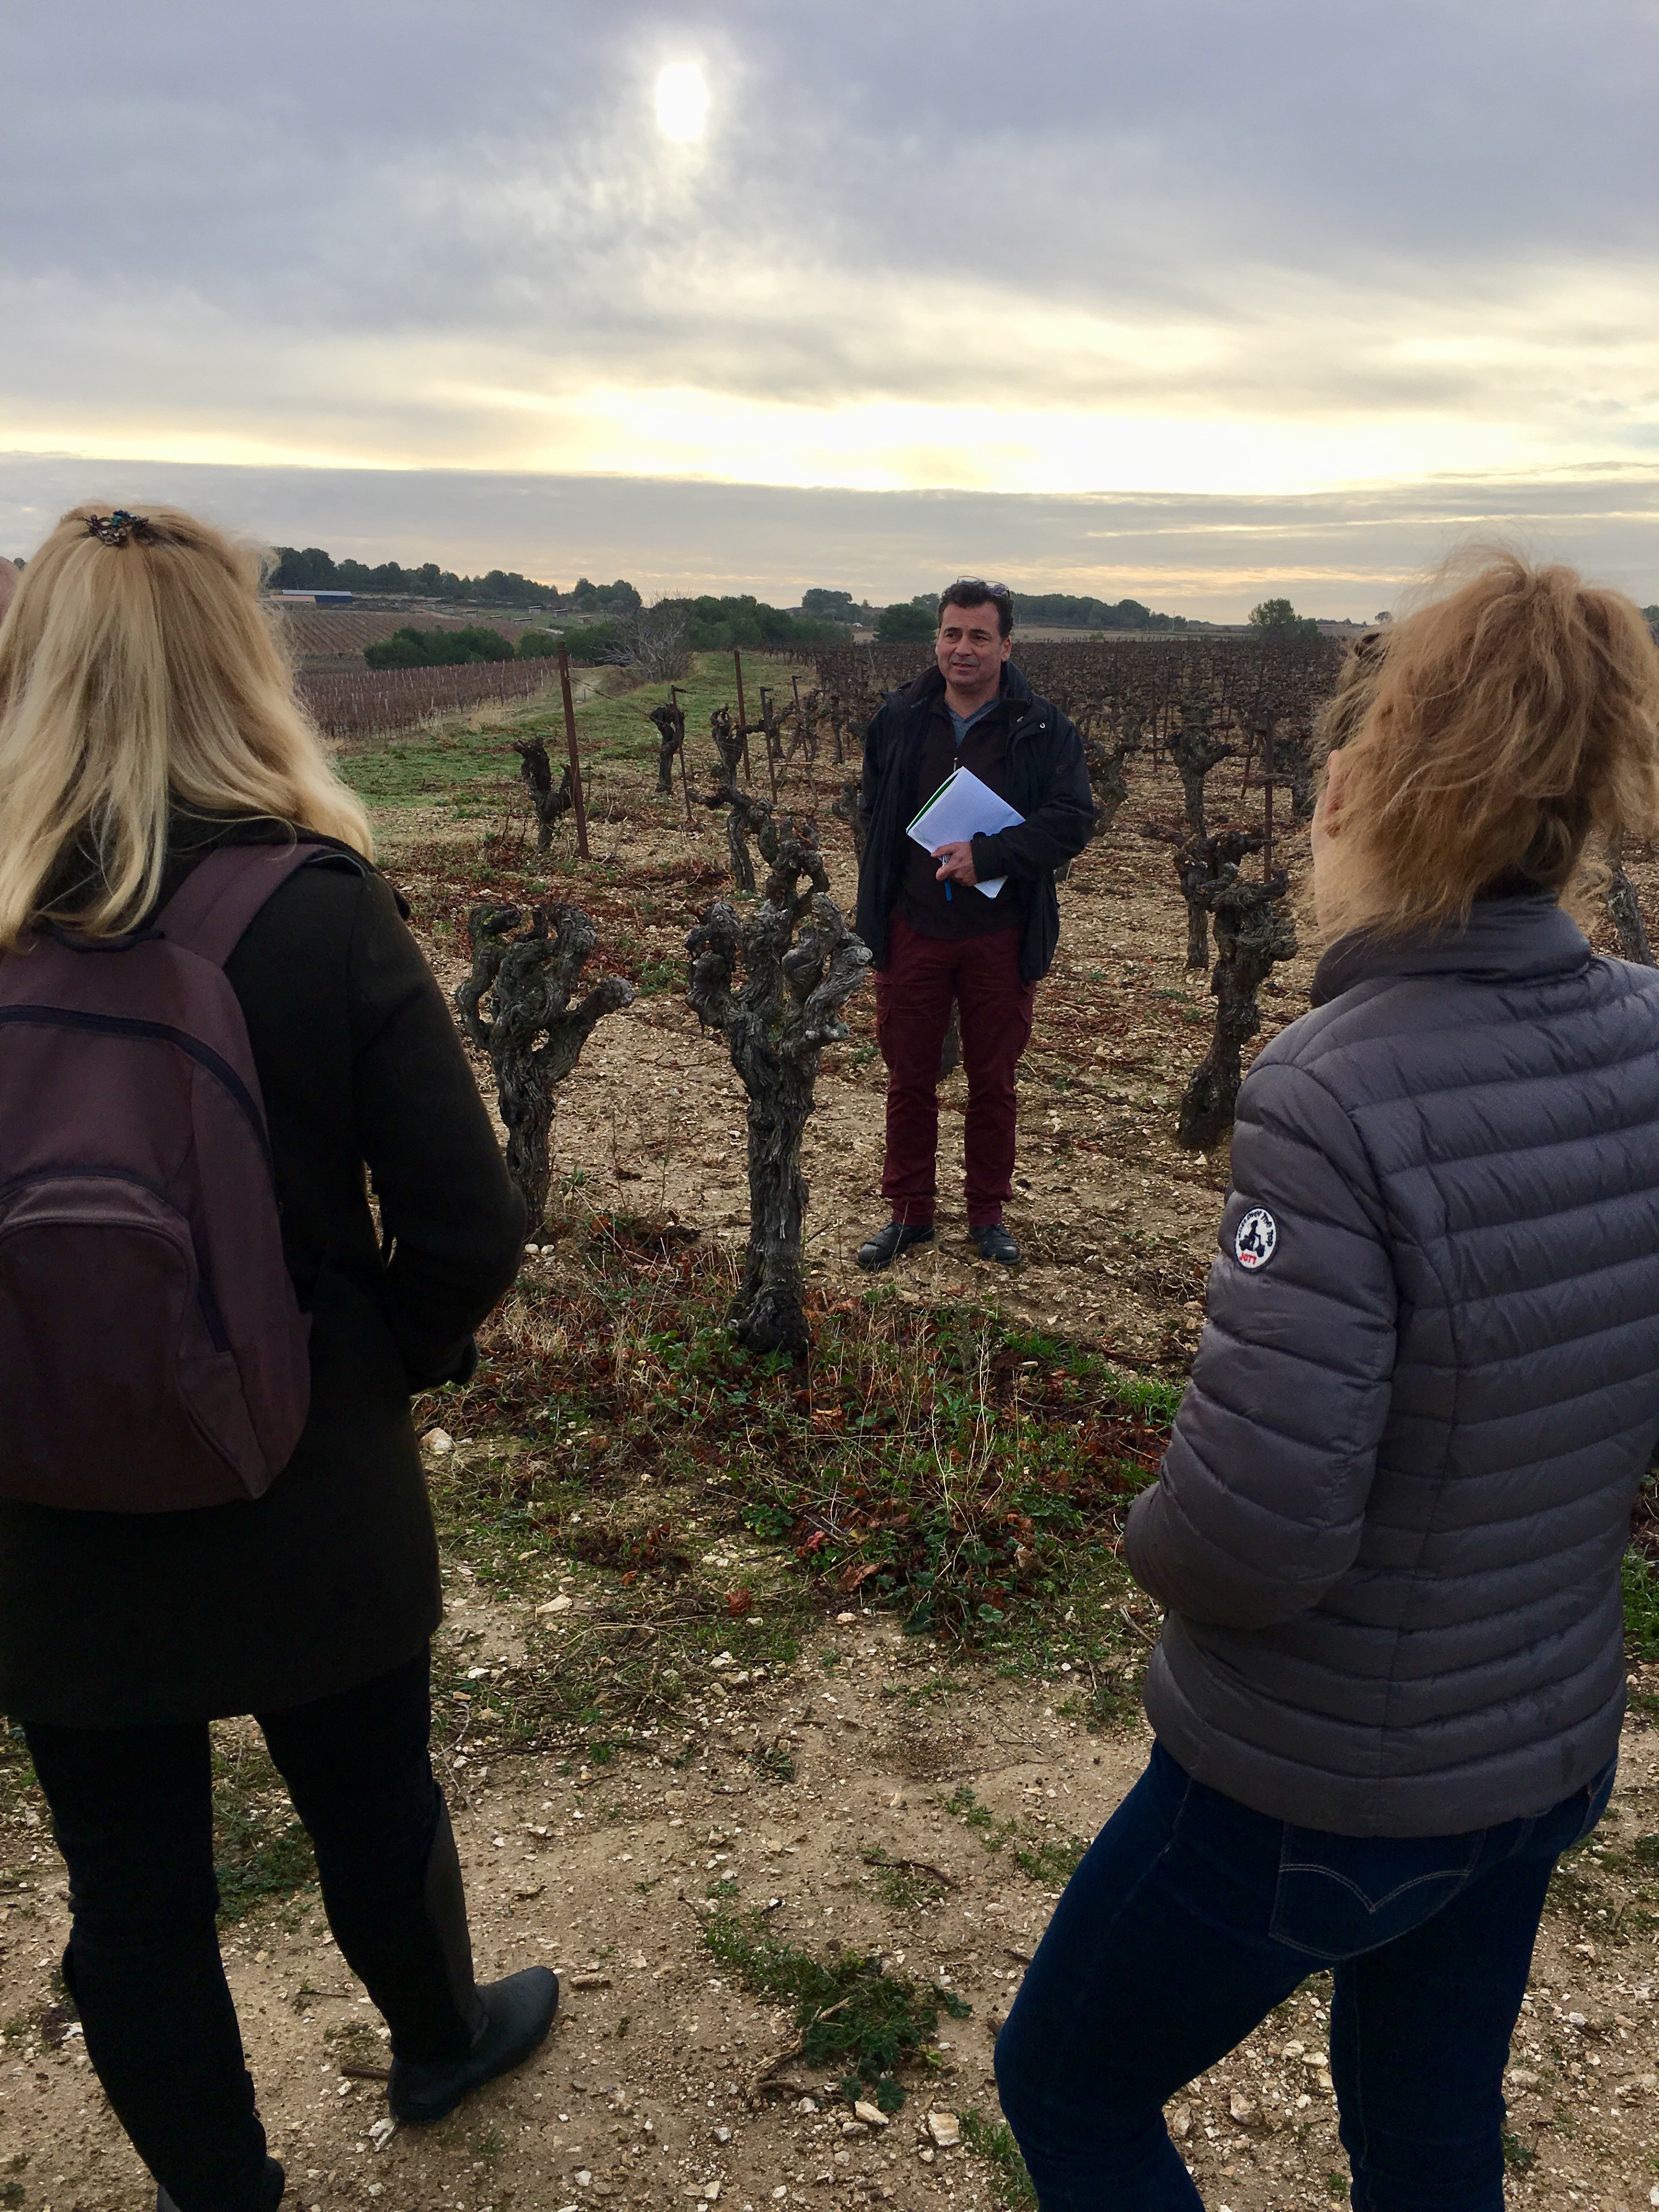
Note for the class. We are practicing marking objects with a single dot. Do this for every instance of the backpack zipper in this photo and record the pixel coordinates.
(65, 1017)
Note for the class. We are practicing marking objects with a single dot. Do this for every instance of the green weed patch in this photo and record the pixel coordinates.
(941, 1462)
(852, 2017)
(993, 2141)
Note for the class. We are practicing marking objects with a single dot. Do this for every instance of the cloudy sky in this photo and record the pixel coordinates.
(1189, 301)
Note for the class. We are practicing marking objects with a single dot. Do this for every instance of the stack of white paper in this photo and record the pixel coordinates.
(961, 808)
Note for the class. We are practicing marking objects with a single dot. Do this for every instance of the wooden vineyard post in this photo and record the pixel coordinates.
(768, 730)
(575, 757)
(742, 712)
(685, 780)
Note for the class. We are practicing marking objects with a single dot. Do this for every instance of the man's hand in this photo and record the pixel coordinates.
(955, 862)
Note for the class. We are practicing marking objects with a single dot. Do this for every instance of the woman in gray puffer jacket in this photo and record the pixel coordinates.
(1389, 1527)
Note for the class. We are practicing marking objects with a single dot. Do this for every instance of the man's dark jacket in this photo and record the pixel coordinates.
(1389, 1526)
(115, 1619)
(1048, 783)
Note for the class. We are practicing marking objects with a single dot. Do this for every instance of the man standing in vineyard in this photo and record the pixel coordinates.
(935, 937)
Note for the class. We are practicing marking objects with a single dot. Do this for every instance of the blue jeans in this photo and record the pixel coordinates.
(1192, 1917)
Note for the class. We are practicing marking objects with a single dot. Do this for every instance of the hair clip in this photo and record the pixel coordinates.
(116, 529)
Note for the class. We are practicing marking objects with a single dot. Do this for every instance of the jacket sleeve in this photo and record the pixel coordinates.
(869, 777)
(1260, 1505)
(1055, 830)
(453, 1224)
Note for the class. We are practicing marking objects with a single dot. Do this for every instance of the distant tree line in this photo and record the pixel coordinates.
(1070, 610)
(311, 569)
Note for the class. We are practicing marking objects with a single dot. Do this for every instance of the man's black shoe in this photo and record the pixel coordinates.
(994, 1243)
(885, 1247)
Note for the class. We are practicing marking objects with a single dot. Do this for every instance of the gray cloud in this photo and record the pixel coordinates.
(1347, 554)
(1339, 246)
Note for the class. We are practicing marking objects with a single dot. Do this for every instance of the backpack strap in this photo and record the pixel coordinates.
(220, 896)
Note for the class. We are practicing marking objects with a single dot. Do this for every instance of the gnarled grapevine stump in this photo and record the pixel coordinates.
(845, 808)
(1195, 752)
(670, 718)
(532, 1034)
(1625, 911)
(536, 771)
(1253, 934)
(774, 985)
(737, 804)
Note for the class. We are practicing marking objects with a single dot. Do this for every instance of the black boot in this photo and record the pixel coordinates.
(507, 2020)
(992, 1241)
(885, 1247)
(275, 2182)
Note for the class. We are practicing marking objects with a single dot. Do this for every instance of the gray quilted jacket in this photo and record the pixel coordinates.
(1389, 1525)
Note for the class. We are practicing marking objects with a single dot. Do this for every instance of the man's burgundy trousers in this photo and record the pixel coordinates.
(913, 993)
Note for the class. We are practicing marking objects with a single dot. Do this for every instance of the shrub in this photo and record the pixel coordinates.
(439, 648)
(904, 623)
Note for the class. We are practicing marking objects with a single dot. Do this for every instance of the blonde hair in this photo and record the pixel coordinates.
(139, 678)
(1508, 730)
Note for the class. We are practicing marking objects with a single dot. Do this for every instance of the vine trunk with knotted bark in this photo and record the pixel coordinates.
(774, 984)
(531, 1032)
(670, 718)
(1624, 909)
(536, 771)
(1253, 934)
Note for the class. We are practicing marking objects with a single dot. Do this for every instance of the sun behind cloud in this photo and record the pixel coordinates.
(682, 101)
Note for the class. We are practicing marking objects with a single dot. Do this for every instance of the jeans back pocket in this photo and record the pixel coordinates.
(1339, 1896)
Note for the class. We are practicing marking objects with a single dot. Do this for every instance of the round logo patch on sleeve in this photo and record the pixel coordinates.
(1256, 1239)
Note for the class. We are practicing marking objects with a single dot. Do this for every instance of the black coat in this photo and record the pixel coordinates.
(1048, 783)
(331, 1578)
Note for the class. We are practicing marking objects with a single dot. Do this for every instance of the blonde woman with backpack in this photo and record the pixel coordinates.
(216, 1036)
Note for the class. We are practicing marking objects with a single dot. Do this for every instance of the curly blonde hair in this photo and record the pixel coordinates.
(1506, 731)
(136, 678)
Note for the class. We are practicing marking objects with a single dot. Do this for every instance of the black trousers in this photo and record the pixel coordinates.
(132, 1809)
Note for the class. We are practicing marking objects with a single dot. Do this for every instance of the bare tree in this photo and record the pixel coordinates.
(533, 1035)
(799, 963)
(536, 771)
(655, 639)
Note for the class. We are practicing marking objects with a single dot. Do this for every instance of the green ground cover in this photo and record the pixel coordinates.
(465, 760)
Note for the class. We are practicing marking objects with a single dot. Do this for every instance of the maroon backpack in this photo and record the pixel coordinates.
(153, 1355)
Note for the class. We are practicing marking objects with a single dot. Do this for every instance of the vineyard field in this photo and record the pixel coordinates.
(325, 633)
(350, 706)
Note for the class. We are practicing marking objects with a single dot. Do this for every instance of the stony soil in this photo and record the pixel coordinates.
(654, 2089)
(654, 2086)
